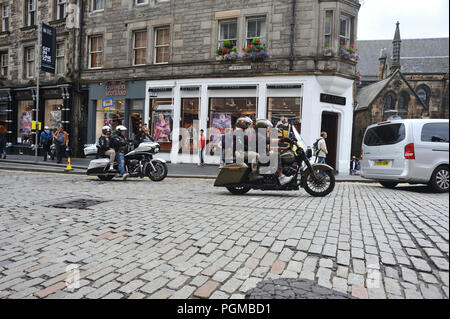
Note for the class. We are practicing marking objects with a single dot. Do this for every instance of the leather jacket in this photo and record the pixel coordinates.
(119, 143)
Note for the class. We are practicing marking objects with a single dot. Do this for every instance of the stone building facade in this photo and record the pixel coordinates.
(59, 92)
(412, 82)
(156, 62)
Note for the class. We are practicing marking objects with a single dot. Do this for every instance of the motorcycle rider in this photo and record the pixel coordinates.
(105, 146)
(120, 146)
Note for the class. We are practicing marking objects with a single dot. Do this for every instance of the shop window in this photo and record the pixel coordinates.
(29, 62)
(60, 63)
(162, 45)
(3, 113)
(24, 119)
(135, 109)
(345, 30)
(113, 116)
(98, 5)
(96, 51)
(53, 113)
(256, 27)
(223, 113)
(140, 47)
(4, 64)
(228, 31)
(5, 17)
(328, 29)
(162, 122)
(60, 9)
(189, 115)
(30, 12)
(141, 2)
(284, 113)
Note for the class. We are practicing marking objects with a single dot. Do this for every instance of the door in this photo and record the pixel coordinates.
(135, 123)
(330, 125)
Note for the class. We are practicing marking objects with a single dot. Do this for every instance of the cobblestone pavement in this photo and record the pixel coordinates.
(183, 238)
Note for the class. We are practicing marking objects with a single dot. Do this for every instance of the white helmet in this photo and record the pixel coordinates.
(120, 128)
(105, 129)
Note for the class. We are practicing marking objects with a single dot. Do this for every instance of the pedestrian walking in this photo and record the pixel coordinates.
(353, 165)
(46, 141)
(62, 143)
(202, 145)
(322, 148)
(3, 133)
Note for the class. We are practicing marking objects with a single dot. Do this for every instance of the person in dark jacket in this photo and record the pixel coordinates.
(46, 141)
(105, 146)
(3, 133)
(120, 146)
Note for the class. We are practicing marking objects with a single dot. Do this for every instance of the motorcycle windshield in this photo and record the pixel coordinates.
(299, 138)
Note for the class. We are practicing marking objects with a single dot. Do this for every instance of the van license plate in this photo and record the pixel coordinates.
(382, 163)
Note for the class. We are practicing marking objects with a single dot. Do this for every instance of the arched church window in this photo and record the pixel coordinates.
(403, 101)
(424, 94)
(389, 101)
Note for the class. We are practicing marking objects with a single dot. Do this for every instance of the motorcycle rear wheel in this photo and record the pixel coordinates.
(321, 187)
(238, 190)
(159, 174)
(105, 177)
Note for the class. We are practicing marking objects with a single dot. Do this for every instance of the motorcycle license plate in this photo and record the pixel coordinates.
(382, 163)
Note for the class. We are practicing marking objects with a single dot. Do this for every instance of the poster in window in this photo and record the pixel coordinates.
(162, 127)
(220, 122)
(55, 119)
(25, 122)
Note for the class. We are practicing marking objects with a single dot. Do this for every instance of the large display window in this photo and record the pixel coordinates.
(285, 113)
(189, 115)
(135, 117)
(25, 117)
(162, 122)
(53, 113)
(113, 116)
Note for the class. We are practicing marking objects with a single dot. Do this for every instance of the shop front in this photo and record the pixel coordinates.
(177, 110)
(113, 104)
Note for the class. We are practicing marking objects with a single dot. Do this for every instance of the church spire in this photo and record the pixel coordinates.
(396, 49)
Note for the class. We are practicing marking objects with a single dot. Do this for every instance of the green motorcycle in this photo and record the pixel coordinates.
(316, 179)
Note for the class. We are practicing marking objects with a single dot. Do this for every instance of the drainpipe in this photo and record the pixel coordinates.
(291, 62)
(80, 44)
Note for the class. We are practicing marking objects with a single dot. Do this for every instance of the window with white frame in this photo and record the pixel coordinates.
(328, 29)
(345, 30)
(140, 47)
(29, 62)
(162, 38)
(96, 51)
(4, 63)
(60, 58)
(141, 2)
(228, 31)
(60, 9)
(30, 11)
(98, 5)
(256, 27)
(5, 18)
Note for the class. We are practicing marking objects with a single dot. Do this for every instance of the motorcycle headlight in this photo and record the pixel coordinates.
(156, 149)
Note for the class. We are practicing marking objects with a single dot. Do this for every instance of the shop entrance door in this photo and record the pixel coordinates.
(135, 122)
(330, 125)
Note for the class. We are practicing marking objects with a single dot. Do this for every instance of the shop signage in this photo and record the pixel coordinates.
(232, 87)
(48, 49)
(333, 99)
(152, 94)
(107, 103)
(116, 90)
(240, 67)
(284, 86)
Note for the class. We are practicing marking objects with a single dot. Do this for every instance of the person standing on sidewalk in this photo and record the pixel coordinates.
(322, 147)
(3, 133)
(202, 145)
(62, 143)
(46, 141)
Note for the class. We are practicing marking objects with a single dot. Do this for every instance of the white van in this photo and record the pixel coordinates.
(407, 151)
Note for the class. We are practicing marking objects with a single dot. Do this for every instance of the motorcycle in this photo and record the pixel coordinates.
(138, 163)
(317, 179)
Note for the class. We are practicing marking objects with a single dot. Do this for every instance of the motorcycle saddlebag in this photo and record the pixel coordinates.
(231, 174)
(97, 166)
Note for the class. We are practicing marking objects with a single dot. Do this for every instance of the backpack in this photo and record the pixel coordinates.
(316, 146)
(45, 138)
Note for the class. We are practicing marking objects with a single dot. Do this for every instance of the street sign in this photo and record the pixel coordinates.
(152, 94)
(108, 103)
(48, 49)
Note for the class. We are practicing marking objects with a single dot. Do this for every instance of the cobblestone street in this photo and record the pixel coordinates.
(183, 238)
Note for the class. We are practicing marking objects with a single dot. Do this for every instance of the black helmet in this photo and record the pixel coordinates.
(263, 123)
(244, 122)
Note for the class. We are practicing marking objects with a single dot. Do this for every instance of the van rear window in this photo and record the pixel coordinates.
(385, 135)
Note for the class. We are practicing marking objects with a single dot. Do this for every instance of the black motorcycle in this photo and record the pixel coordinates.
(316, 179)
(138, 163)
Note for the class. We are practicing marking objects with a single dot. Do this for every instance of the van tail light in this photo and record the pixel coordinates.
(409, 151)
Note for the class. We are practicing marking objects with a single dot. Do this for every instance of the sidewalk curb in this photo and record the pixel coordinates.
(40, 163)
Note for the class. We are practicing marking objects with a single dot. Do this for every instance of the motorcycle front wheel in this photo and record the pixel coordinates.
(322, 186)
(238, 190)
(105, 177)
(159, 173)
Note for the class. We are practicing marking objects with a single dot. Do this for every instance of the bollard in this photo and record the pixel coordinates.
(68, 167)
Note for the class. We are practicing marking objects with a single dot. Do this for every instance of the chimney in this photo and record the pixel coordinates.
(396, 49)
(383, 65)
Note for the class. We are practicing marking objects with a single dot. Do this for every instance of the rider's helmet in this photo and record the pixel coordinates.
(263, 123)
(244, 122)
(120, 128)
(105, 129)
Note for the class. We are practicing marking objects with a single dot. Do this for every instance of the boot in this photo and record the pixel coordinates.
(285, 179)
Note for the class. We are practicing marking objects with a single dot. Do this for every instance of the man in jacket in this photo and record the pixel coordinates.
(46, 141)
(120, 146)
(322, 147)
(105, 146)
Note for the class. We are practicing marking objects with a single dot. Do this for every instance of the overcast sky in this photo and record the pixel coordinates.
(418, 19)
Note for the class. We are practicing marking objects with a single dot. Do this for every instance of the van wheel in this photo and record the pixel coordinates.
(440, 179)
(389, 184)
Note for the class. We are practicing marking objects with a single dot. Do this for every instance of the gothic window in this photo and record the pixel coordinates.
(403, 101)
(389, 101)
(424, 94)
